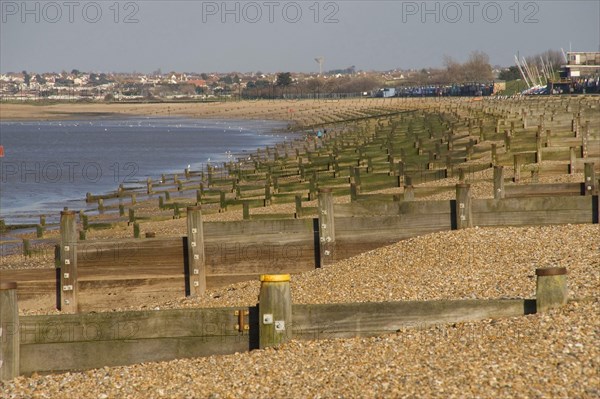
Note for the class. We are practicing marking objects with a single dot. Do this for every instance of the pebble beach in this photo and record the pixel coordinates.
(546, 355)
(550, 355)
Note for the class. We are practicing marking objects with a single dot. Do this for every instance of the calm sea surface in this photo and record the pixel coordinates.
(49, 165)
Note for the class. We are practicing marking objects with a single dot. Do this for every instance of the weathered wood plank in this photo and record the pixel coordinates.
(426, 207)
(364, 208)
(129, 256)
(358, 226)
(83, 341)
(368, 319)
(542, 190)
(532, 204)
(254, 227)
(260, 254)
(532, 218)
(360, 234)
(87, 355)
(110, 326)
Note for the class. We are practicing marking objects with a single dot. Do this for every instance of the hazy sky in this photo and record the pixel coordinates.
(274, 36)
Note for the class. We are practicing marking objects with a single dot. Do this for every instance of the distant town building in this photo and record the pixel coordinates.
(385, 93)
(581, 74)
(582, 64)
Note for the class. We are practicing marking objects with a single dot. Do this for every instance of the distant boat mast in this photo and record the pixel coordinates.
(522, 73)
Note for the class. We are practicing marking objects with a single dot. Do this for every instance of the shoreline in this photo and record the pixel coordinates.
(31, 214)
(300, 112)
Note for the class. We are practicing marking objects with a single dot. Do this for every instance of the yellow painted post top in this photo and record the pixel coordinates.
(274, 278)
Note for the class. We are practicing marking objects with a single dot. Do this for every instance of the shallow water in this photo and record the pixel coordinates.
(52, 164)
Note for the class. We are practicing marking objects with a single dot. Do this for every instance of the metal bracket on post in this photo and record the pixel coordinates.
(242, 324)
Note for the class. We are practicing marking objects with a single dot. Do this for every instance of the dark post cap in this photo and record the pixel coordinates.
(8, 285)
(551, 271)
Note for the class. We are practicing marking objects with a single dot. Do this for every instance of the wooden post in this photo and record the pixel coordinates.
(572, 160)
(409, 193)
(463, 206)
(246, 210)
(195, 243)
(494, 154)
(312, 188)
(590, 181)
(517, 168)
(551, 288)
(222, 202)
(149, 186)
(136, 230)
(585, 138)
(298, 200)
(354, 191)
(498, 182)
(9, 332)
(274, 310)
(326, 227)
(356, 172)
(470, 146)
(68, 262)
(539, 145)
(209, 170)
(267, 193)
(100, 205)
(39, 231)
(400, 171)
(131, 216)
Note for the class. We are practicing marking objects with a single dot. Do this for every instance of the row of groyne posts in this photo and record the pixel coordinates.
(274, 323)
(276, 318)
